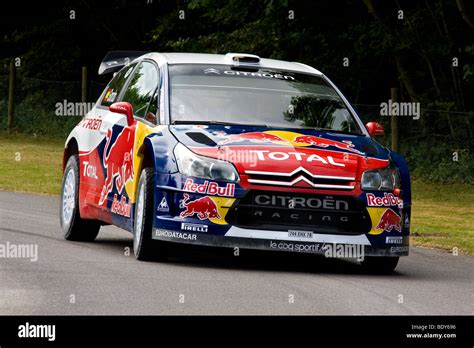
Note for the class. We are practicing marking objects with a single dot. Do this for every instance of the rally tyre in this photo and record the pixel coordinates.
(74, 227)
(144, 247)
(379, 265)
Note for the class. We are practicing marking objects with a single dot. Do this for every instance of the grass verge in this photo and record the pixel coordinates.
(443, 216)
(29, 164)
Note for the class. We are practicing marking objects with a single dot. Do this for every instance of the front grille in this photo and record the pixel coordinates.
(300, 177)
(283, 211)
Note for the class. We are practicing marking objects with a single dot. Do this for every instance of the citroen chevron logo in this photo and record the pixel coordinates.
(211, 71)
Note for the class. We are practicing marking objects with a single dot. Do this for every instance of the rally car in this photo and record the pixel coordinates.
(232, 151)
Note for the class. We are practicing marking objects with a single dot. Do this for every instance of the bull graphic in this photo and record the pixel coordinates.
(389, 221)
(118, 161)
(254, 137)
(204, 207)
(323, 142)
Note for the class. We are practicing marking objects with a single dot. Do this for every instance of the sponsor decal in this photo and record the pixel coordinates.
(121, 206)
(110, 96)
(118, 161)
(296, 247)
(107, 94)
(210, 188)
(399, 249)
(324, 143)
(265, 155)
(256, 74)
(394, 240)
(249, 74)
(89, 171)
(121, 107)
(254, 137)
(407, 220)
(163, 206)
(388, 199)
(204, 207)
(300, 234)
(301, 202)
(389, 221)
(300, 210)
(174, 234)
(91, 123)
(297, 217)
(289, 138)
(194, 227)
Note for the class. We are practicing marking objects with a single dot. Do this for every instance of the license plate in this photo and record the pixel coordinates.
(300, 234)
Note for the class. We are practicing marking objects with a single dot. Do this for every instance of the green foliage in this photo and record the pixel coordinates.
(41, 49)
(35, 107)
(36, 115)
(434, 160)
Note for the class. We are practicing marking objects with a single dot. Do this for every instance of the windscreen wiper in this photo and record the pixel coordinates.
(176, 122)
(336, 131)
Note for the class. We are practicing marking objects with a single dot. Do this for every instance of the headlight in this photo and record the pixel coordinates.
(191, 164)
(385, 179)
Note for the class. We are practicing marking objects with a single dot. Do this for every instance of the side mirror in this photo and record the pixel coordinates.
(123, 108)
(374, 129)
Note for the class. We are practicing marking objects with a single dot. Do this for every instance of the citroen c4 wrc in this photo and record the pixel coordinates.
(232, 151)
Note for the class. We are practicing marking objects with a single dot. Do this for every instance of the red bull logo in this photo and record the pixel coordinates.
(389, 221)
(254, 137)
(210, 188)
(118, 161)
(324, 143)
(265, 137)
(121, 206)
(388, 199)
(204, 207)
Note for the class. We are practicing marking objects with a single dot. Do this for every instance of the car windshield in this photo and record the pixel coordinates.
(275, 98)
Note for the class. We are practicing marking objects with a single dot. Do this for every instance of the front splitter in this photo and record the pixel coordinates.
(320, 248)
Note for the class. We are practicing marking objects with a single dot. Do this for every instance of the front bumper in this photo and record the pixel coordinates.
(374, 222)
(322, 244)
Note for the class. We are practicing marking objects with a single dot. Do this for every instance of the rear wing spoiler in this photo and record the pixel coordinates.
(116, 60)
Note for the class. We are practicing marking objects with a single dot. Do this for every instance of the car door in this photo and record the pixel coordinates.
(98, 122)
(120, 160)
(142, 93)
(113, 124)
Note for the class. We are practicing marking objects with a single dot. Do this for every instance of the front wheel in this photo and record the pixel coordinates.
(144, 247)
(74, 227)
(379, 265)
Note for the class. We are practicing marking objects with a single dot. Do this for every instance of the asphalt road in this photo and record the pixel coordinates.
(100, 278)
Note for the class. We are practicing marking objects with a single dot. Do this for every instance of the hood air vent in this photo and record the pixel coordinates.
(201, 138)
